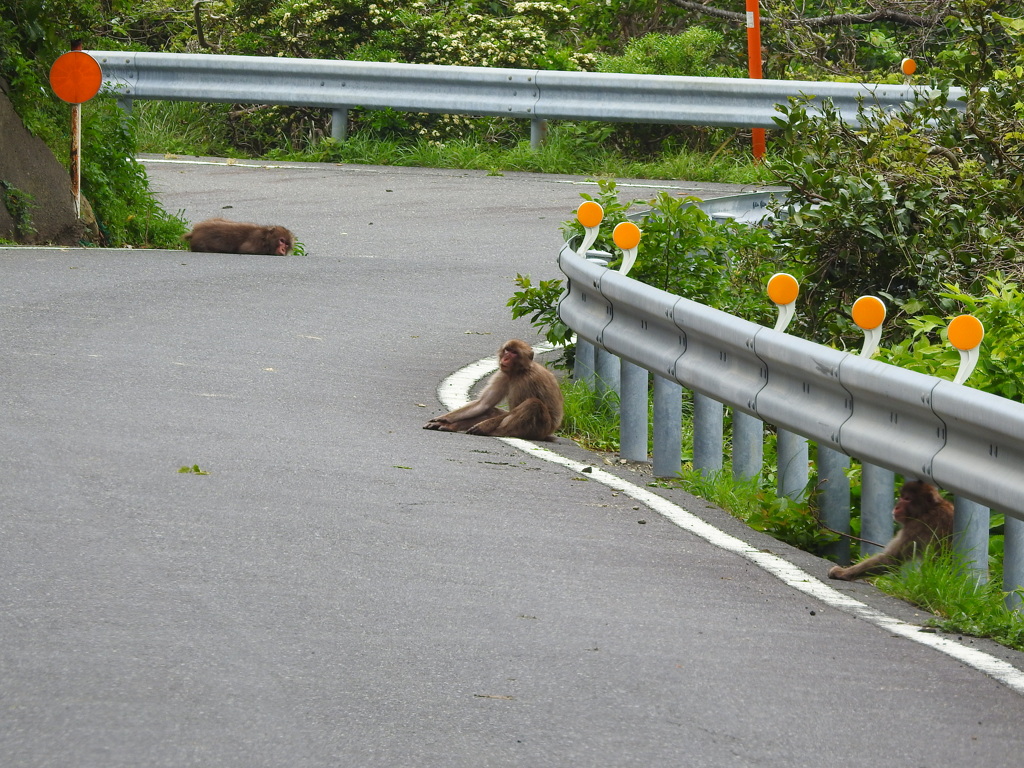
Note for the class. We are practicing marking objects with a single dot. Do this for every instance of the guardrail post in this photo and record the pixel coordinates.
(538, 132)
(339, 123)
(793, 458)
(708, 415)
(633, 413)
(583, 362)
(970, 535)
(668, 427)
(877, 497)
(747, 446)
(1013, 562)
(835, 500)
(606, 368)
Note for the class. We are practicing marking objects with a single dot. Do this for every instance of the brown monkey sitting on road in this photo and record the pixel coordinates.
(534, 400)
(223, 236)
(925, 517)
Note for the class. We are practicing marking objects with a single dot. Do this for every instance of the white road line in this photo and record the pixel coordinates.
(226, 163)
(454, 393)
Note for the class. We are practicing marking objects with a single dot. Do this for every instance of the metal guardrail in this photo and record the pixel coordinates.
(537, 95)
(961, 439)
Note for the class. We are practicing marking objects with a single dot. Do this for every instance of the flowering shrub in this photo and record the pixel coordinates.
(520, 34)
(531, 34)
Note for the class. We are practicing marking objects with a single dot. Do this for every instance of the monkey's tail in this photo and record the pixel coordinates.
(851, 536)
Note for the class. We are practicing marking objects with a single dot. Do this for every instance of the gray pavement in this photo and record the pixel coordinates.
(346, 589)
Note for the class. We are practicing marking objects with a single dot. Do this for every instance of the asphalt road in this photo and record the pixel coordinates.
(344, 588)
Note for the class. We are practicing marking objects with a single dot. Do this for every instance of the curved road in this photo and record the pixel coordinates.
(344, 588)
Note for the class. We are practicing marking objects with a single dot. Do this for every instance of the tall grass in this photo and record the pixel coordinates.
(941, 584)
(180, 127)
(571, 148)
(591, 418)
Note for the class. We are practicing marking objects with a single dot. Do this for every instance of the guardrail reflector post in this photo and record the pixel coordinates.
(971, 520)
(869, 314)
(590, 215)
(965, 333)
(783, 290)
(908, 67)
(627, 237)
(792, 451)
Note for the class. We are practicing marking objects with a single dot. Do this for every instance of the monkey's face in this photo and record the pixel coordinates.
(508, 360)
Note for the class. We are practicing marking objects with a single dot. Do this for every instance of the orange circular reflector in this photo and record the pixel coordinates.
(908, 66)
(783, 288)
(965, 332)
(75, 77)
(626, 235)
(868, 312)
(590, 214)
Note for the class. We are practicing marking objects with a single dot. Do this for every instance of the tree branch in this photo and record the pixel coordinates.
(835, 20)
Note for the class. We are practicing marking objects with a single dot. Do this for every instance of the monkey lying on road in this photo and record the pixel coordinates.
(223, 236)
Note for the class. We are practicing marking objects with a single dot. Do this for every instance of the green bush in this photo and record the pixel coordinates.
(32, 35)
(523, 35)
(690, 53)
(907, 202)
(1000, 308)
(684, 251)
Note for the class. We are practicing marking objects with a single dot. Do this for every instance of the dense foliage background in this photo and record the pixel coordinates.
(916, 206)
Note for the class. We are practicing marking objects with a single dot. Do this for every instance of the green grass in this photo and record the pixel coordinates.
(937, 583)
(180, 127)
(940, 584)
(202, 129)
(591, 419)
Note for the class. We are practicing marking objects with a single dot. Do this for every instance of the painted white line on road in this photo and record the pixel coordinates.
(454, 392)
(226, 163)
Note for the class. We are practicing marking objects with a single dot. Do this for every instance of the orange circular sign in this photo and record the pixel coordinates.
(783, 288)
(965, 332)
(75, 77)
(626, 235)
(908, 66)
(868, 312)
(590, 214)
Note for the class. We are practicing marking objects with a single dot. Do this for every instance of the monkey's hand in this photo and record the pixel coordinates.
(439, 423)
(838, 572)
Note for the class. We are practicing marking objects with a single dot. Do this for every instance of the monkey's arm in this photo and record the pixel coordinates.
(486, 405)
(873, 565)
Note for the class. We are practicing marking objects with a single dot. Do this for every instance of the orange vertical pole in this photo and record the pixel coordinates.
(754, 56)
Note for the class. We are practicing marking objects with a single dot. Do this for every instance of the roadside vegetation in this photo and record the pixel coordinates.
(923, 208)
